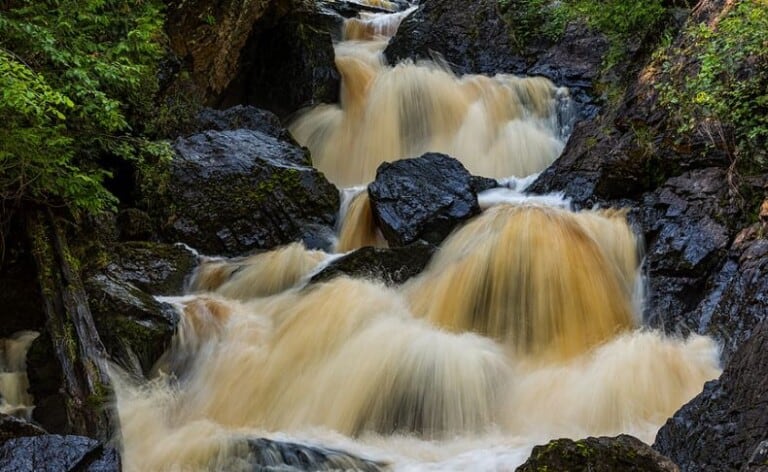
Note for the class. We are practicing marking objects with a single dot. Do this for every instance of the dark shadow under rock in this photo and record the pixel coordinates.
(231, 192)
(393, 266)
(725, 426)
(422, 198)
(53, 453)
(603, 454)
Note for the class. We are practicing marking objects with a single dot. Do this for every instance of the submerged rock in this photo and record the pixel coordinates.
(422, 198)
(471, 37)
(393, 266)
(230, 192)
(278, 455)
(724, 427)
(603, 454)
(53, 453)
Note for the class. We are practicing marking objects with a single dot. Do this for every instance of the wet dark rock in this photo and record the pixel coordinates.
(231, 192)
(278, 455)
(287, 66)
(687, 225)
(594, 170)
(393, 266)
(241, 117)
(724, 427)
(422, 198)
(12, 427)
(603, 454)
(155, 268)
(737, 298)
(576, 62)
(53, 453)
(471, 36)
(132, 324)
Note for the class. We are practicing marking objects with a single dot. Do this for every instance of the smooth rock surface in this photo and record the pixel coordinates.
(393, 266)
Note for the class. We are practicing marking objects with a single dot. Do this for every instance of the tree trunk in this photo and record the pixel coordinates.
(76, 343)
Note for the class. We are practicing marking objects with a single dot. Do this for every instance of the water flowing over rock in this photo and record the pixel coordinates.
(234, 191)
(53, 453)
(603, 454)
(393, 266)
(422, 198)
(297, 457)
(724, 427)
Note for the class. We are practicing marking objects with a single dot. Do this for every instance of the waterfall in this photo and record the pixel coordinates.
(14, 398)
(496, 126)
(524, 326)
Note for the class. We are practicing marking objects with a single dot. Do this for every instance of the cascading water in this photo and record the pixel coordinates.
(14, 398)
(522, 328)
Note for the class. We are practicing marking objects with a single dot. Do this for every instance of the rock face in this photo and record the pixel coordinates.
(155, 268)
(287, 67)
(603, 454)
(470, 36)
(422, 198)
(235, 191)
(53, 453)
(12, 427)
(132, 324)
(724, 428)
(393, 266)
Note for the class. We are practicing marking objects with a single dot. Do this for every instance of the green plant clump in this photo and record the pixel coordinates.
(726, 97)
(619, 20)
(77, 77)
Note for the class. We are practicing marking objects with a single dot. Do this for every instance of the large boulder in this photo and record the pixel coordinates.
(724, 427)
(53, 453)
(471, 36)
(133, 325)
(155, 268)
(422, 198)
(230, 192)
(737, 296)
(287, 66)
(687, 226)
(603, 454)
(393, 266)
(225, 49)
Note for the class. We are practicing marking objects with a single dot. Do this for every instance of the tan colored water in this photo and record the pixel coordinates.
(14, 398)
(521, 329)
(359, 228)
(496, 126)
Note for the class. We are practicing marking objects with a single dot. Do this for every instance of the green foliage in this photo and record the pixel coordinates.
(726, 95)
(619, 20)
(76, 79)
